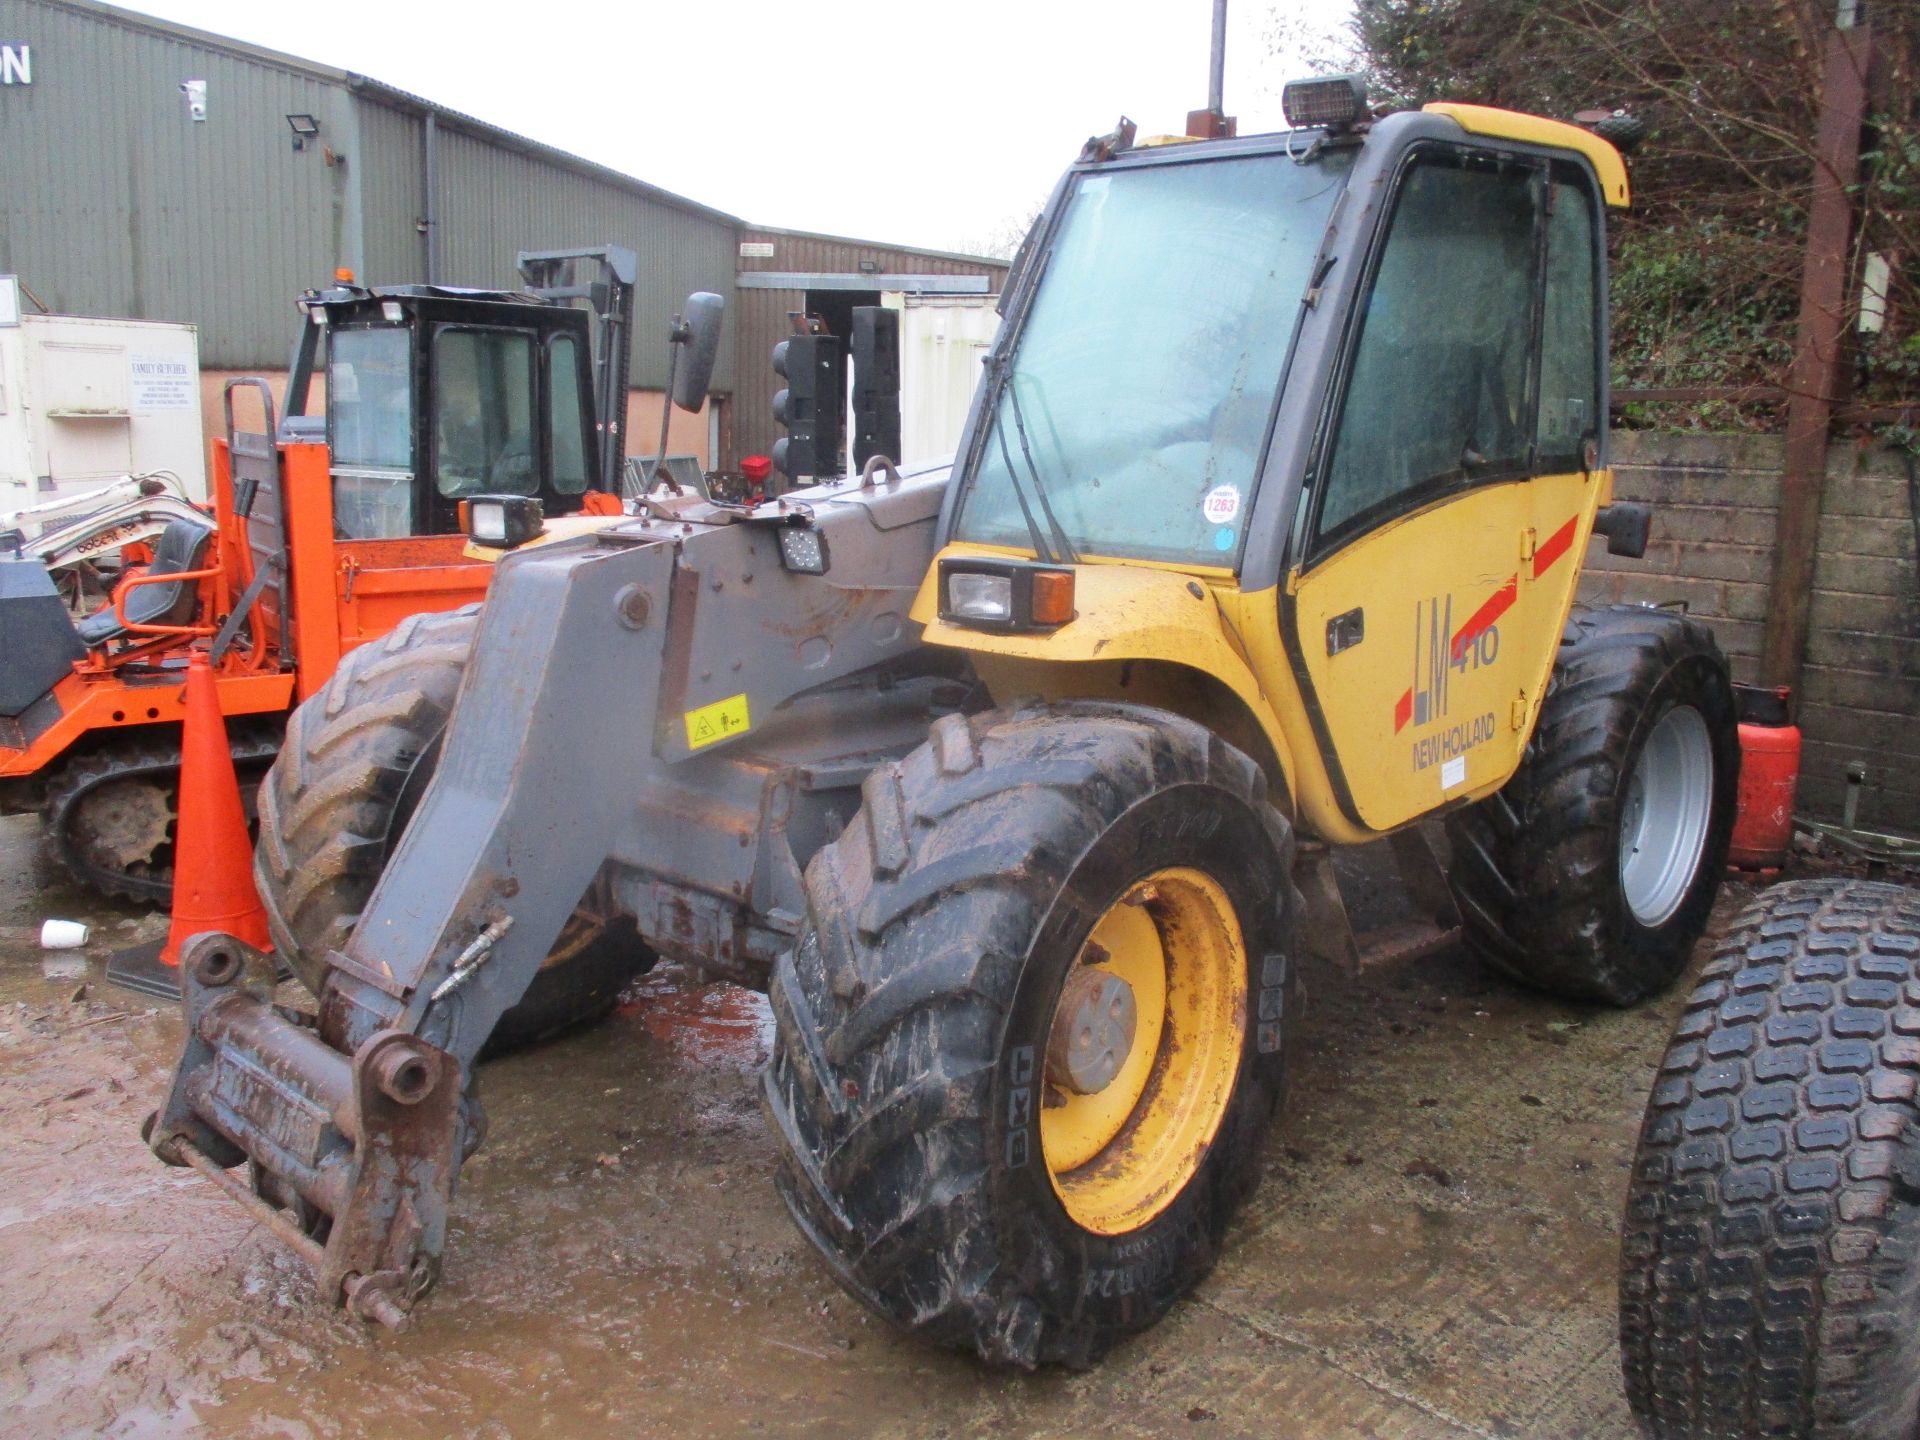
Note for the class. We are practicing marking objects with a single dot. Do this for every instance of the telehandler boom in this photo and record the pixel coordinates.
(1005, 777)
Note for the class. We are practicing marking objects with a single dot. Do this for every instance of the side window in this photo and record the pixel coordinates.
(370, 431)
(568, 420)
(1438, 394)
(483, 433)
(1570, 340)
(370, 398)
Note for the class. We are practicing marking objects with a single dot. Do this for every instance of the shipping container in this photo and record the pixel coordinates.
(84, 402)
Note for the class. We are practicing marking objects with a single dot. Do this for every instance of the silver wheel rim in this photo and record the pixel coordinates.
(1664, 813)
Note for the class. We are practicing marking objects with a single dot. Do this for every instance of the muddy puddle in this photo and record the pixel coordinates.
(1431, 1251)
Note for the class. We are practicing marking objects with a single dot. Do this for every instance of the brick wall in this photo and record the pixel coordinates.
(1715, 499)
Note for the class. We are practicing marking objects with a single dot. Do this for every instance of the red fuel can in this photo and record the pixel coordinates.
(1769, 773)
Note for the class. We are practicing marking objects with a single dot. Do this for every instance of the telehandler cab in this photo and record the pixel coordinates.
(1004, 778)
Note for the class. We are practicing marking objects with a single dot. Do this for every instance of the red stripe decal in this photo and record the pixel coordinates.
(1497, 605)
(1557, 545)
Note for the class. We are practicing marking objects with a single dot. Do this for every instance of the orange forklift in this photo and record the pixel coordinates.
(325, 530)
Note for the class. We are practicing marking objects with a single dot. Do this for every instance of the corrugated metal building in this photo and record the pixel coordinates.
(151, 173)
(495, 194)
(120, 202)
(783, 272)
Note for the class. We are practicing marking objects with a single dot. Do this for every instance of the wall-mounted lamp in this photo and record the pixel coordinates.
(304, 128)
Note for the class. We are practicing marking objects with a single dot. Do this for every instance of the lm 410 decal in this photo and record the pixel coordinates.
(1442, 652)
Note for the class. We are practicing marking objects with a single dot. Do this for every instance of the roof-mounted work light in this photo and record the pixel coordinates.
(502, 522)
(1337, 102)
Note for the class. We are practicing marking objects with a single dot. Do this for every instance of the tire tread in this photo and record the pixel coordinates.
(327, 807)
(1770, 1264)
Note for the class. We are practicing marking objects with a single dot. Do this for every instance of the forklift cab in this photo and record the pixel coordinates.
(434, 394)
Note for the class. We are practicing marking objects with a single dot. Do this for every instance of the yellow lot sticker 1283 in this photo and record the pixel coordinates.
(721, 720)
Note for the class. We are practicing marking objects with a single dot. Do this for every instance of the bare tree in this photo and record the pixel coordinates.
(1000, 239)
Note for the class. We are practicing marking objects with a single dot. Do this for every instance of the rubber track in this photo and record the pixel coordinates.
(1535, 867)
(143, 754)
(1770, 1268)
(890, 1009)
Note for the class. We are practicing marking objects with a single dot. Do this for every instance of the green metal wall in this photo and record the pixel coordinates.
(493, 200)
(117, 203)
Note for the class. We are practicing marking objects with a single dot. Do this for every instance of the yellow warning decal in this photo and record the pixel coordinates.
(721, 720)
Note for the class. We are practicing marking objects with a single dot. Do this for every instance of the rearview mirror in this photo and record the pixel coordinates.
(699, 331)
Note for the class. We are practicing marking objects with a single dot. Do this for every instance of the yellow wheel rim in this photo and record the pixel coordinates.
(1144, 1050)
(583, 927)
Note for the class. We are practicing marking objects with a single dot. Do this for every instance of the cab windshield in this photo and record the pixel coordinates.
(1132, 418)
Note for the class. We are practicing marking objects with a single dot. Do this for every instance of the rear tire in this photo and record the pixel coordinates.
(1770, 1258)
(1559, 885)
(354, 763)
(911, 1080)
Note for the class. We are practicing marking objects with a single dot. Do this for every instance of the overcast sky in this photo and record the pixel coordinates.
(921, 124)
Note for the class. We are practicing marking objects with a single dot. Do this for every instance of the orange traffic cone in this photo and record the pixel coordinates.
(212, 856)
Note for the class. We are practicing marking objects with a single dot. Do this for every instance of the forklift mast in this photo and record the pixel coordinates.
(554, 275)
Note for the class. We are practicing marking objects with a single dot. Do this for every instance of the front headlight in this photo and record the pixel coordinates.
(803, 550)
(1005, 594)
(973, 596)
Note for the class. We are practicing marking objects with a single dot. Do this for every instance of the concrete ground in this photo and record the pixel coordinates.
(1431, 1251)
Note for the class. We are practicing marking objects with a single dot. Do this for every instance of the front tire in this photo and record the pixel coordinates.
(1105, 880)
(1770, 1256)
(1592, 872)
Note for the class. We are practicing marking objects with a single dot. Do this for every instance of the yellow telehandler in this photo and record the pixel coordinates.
(1006, 777)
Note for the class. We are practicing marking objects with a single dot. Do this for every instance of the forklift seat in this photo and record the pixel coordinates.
(181, 548)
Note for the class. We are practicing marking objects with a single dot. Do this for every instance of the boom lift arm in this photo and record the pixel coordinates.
(356, 1127)
(551, 274)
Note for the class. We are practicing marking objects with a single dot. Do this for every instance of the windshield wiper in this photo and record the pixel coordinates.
(1001, 379)
(1040, 546)
(1033, 472)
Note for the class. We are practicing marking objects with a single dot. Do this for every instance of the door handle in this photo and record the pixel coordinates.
(1346, 631)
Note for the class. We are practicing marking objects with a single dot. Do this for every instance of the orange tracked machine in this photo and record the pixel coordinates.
(326, 528)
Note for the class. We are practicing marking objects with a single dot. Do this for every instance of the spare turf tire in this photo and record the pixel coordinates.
(1770, 1254)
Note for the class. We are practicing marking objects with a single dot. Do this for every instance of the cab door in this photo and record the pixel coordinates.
(1452, 492)
(483, 432)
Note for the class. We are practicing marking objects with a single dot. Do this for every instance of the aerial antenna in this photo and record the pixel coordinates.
(1213, 123)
